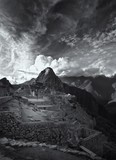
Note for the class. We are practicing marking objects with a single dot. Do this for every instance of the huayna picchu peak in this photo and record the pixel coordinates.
(49, 79)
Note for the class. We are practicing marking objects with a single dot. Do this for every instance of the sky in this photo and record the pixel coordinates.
(73, 37)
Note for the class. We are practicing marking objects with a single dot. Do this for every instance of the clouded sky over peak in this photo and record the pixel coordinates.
(74, 37)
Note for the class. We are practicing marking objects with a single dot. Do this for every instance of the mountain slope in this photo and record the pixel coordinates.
(101, 87)
(48, 81)
(6, 88)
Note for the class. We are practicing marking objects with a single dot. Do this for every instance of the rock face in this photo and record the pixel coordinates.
(6, 88)
(48, 78)
(111, 109)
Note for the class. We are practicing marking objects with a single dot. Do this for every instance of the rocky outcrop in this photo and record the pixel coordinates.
(48, 78)
(6, 88)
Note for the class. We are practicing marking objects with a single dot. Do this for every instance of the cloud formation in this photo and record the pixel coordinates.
(70, 36)
(19, 62)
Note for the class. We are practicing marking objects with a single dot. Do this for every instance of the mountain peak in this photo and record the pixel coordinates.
(5, 82)
(5, 87)
(49, 79)
(46, 74)
(48, 70)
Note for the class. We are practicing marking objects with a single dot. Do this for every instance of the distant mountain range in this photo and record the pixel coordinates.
(101, 87)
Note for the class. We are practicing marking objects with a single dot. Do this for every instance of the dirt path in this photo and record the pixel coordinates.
(36, 153)
(39, 153)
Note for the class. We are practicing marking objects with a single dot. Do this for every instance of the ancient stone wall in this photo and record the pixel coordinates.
(95, 143)
(51, 133)
(62, 134)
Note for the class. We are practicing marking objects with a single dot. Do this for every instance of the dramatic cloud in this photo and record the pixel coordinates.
(71, 36)
(14, 54)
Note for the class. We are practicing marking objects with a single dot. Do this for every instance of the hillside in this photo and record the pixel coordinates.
(101, 87)
(47, 82)
(6, 88)
(68, 113)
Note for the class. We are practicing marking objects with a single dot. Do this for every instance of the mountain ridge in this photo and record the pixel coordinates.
(48, 82)
(102, 85)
